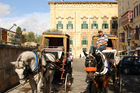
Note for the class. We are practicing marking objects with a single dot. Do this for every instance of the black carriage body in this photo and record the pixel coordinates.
(58, 44)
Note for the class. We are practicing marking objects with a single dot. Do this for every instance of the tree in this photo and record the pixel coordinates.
(17, 37)
(53, 30)
(18, 32)
(38, 39)
(30, 37)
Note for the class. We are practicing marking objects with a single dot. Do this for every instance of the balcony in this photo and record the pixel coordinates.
(127, 18)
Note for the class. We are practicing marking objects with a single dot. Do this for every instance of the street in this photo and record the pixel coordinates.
(79, 85)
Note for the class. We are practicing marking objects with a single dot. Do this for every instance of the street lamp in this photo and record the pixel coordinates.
(12, 26)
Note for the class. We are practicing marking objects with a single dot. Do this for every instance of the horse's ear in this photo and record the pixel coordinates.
(85, 53)
(13, 63)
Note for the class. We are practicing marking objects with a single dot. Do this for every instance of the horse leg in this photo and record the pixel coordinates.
(33, 85)
(40, 82)
(48, 86)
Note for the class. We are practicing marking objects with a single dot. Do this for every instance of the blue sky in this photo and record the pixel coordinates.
(33, 15)
(22, 7)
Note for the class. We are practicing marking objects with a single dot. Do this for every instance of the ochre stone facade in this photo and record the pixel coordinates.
(79, 12)
(129, 24)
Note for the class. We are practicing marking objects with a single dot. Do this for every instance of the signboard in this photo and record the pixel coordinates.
(0, 35)
(4, 35)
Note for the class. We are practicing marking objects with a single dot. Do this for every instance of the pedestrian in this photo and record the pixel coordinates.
(101, 43)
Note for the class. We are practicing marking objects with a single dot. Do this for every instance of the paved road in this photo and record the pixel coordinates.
(78, 86)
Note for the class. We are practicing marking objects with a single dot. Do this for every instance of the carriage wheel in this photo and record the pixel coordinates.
(67, 83)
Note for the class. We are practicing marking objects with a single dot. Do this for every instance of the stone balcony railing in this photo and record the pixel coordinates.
(127, 17)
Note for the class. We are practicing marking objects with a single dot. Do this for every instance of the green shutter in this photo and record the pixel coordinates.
(71, 42)
(72, 26)
(62, 26)
(57, 26)
(107, 26)
(97, 26)
(67, 26)
(82, 42)
(92, 26)
(102, 26)
(86, 42)
(87, 26)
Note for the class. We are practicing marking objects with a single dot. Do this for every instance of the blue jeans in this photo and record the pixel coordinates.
(93, 48)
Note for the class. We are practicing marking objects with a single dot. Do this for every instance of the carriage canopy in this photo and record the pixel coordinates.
(55, 40)
(112, 41)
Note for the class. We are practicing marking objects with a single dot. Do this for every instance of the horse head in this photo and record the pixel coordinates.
(90, 64)
(96, 63)
(25, 65)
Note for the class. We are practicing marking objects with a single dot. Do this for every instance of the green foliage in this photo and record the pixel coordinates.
(18, 32)
(17, 37)
(53, 30)
(38, 39)
(30, 37)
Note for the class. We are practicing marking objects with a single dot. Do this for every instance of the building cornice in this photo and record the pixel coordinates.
(84, 2)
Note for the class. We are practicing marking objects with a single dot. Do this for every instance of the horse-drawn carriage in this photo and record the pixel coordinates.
(58, 45)
(101, 66)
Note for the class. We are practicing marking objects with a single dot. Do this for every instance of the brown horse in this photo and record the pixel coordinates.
(96, 67)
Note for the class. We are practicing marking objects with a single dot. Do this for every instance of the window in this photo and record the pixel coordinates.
(84, 42)
(70, 49)
(59, 25)
(136, 11)
(84, 25)
(105, 25)
(71, 42)
(84, 49)
(94, 25)
(69, 25)
(114, 25)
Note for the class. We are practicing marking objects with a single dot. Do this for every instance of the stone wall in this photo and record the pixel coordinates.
(8, 76)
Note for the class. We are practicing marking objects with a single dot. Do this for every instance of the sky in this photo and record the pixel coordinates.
(32, 15)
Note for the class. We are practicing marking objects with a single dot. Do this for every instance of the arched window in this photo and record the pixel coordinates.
(84, 25)
(105, 25)
(84, 41)
(59, 25)
(71, 42)
(69, 25)
(94, 25)
(115, 25)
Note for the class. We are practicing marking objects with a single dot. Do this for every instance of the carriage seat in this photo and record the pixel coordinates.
(55, 51)
(108, 48)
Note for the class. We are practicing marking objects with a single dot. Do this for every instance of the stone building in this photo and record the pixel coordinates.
(129, 24)
(82, 20)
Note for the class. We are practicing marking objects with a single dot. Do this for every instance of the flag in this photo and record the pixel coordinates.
(62, 0)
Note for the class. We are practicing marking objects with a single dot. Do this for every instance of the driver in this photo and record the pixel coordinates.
(101, 43)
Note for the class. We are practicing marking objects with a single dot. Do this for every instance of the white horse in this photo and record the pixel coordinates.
(26, 68)
(48, 69)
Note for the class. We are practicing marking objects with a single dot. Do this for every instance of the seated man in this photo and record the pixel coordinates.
(101, 43)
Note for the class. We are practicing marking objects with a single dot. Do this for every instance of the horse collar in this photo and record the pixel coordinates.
(36, 62)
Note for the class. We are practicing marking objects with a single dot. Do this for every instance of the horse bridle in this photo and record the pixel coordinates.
(56, 67)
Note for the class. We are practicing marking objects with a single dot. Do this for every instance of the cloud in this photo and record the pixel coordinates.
(35, 22)
(4, 9)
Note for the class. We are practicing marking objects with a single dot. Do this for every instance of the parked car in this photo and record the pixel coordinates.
(129, 74)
